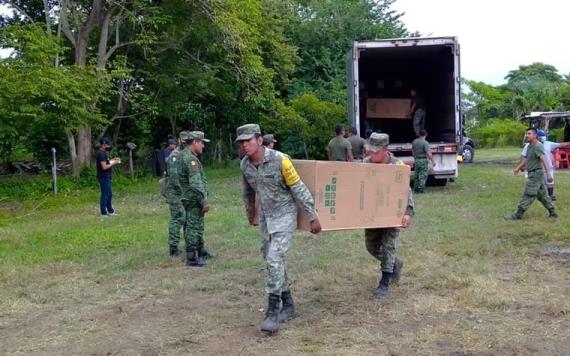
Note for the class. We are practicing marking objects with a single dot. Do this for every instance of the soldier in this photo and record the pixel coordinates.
(339, 148)
(381, 243)
(194, 198)
(417, 111)
(174, 197)
(421, 152)
(536, 165)
(270, 178)
(357, 144)
(269, 141)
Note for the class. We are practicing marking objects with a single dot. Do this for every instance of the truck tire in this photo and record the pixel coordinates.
(468, 153)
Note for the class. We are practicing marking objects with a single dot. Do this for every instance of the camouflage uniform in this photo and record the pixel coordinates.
(173, 198)
(194, 196)
(278, 190)
(420, 149)
(382, 243)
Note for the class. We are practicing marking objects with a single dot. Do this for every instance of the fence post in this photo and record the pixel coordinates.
(54, 172)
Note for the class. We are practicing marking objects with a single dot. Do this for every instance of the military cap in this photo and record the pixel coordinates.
(269, 138)
(197, 135)
(171, 141)
(184, 135)
(377, 141)
(246, 132)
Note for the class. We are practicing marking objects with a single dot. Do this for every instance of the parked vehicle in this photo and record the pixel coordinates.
(389, 69)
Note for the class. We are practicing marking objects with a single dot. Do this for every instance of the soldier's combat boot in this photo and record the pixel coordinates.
(205, 254)
(288, 309)
(398, 264)
(174, 251)
(193, 260)
(552, 214)
(383, 290)
(516, 216)
(271, 322)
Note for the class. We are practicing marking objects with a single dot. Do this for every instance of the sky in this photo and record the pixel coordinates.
(496, 36)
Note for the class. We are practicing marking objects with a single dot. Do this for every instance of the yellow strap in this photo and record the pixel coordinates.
(288, 171)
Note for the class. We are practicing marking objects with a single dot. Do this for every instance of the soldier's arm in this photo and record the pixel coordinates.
(299, 190)
(196, 183)
(248, 196)
(410, 207)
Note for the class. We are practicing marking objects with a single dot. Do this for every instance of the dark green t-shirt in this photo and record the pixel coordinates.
(420, 148)
(357, 144)
(534, 152)
(338, 147)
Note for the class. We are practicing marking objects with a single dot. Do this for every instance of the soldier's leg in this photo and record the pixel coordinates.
(372, 240)
(416, 175)
(176, 223)
(388, 249)
(544, 198)
(532, 185)
(276, 261)
(422, 168)
(417, 123)
(194, 226)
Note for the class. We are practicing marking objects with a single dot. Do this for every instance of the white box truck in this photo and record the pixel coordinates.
(382, 72)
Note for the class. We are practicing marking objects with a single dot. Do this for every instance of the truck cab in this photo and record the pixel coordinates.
(381, 74)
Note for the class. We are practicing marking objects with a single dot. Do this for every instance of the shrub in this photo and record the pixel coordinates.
(500, 133)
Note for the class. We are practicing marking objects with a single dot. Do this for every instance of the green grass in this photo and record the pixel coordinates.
(75, 283)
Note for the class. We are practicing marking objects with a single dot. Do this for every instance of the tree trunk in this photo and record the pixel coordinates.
(84, 149)
(73, 151)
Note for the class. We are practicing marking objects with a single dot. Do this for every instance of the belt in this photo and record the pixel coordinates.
(534, 170)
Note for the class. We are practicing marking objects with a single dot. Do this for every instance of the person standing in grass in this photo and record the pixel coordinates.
(381, 243)
(422, 153)
(174, 197)
(357, 143)
(339, 147)
(536, 166)
(104, 176)
(194, 198)
(268, 177)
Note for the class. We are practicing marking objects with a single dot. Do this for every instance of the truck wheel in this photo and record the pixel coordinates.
(468, 153)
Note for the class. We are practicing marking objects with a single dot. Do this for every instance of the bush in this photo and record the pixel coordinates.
(500, 133)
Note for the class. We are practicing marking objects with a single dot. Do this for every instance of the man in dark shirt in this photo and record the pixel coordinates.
(417, 111)
(357, 144)
(339, 148)
(104, 172)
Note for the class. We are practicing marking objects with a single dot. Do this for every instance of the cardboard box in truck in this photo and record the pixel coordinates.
(388, 108)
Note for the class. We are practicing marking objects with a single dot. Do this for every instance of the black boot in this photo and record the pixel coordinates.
(288, 309)
(552, 214)
(205, 254)
(271, 322)
(398, 264)
(516, 216)
(383, 290)
(193, 260)
(174, 251)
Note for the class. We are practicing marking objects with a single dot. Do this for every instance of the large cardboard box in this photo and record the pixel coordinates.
(388, 108)
(355, 195)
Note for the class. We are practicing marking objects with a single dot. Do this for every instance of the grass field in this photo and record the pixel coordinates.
(473, 284)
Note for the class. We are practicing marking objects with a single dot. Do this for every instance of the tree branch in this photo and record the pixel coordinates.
(65, 24)
(20, 10)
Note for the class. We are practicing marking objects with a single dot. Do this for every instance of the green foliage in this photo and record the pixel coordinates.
(500, 133)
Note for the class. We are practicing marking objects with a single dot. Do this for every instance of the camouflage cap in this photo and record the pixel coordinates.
(269, 138)
(246, 132)
(184, 135)
(198, 135)
(377, 141)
